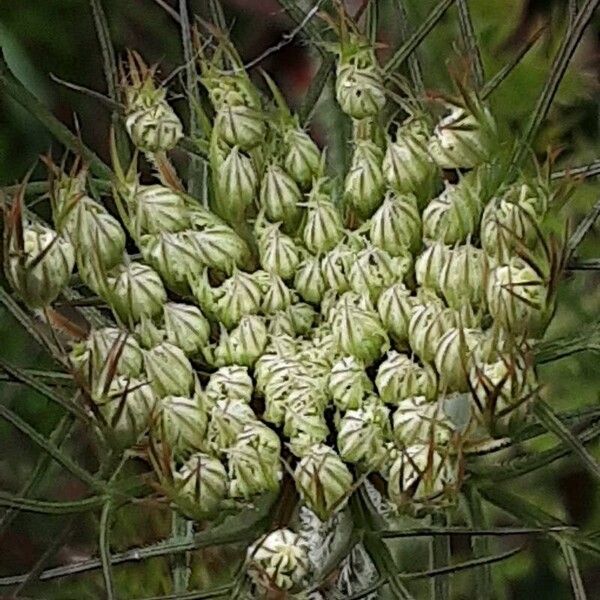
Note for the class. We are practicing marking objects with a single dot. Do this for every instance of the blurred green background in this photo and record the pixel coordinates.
(43, 37)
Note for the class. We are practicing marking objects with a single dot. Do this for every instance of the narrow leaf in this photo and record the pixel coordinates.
(414, 66)
(479, 544)
(439, 558)
(470, 41)
(573, 570)
(50, 508)
(586, 339)
(316, 89)
(104, 544)
(584, 171)
(582, 229)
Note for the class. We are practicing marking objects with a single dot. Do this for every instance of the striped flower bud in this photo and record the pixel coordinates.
(396, 226)
(454, 215)
(399, 377)
(419, 421)
(461, 278)
(323, 481)
(336, 265)
(359, 333)
(419, 475)
(278, 560)
(429, 265)
(240, 125)
(302, 158)
(277, 297)
(277, 387)
(302, 316)
(169, 370)
(323, 228)
(220, 247)
(236, 184)
(309, 281)
(359, 91)
(279, 323)
(374, 270)
(465, 138)
(279, 198)
(181, 423)
(349, 383)
(38, 264)
(304, 423)
(362, 435)
(157, 209)
(427, 325)
(518, 298)
(227, 420)
(186, 327)
(363, 187)
(244, 344)
(126, 408)
(395, 305)
(407, 165)
(200, 486)
(453, 357)
(278, 253)
(231, 382)
(254, 462)
(136, 291)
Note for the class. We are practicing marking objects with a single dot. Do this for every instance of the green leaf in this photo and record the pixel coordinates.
(573, 569)
(470, 41)
(104, 545)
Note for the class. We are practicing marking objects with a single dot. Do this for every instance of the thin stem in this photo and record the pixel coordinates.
(583, 264)
(552, 350)
(585, 171)
(466, 532)
(573, 569)
(104, 544)
(479, 544)
(181, 531)
(46, 507)
(439, 557)
(414, 66)
(582, 229)
(470, 41)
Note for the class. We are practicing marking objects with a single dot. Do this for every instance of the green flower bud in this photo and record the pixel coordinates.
(227, 420)
(407, 165)
(518, 298)
(181, 423)
(279, 198)
(363, 188)
(396, 226)
(461, 278)
(302, 158)
(374, 270)
(278, 253)
(277, 388)
(419, 421)
(399, 377)
(157, 209)
(453, 357)
(360, 92)
(169, 370)
(362, 435)
(240, 126)
(272, 367)
(236, 184)
(232, 382)
(309, 281)
(220, 247)
(419, 475)
(186, 327)
(323, 481)
(465, 138)
(278, 296)
(280, 323)
(395, 305)
(126, 407)
(349, 383)
(427, 325)
(135, 291)
(302, 316)
(336, 266)
(200, 486)
(283, 345)
(254, 462)
(429, 265)
(40, 268)
(304, 423)
(244, 345)
(359, 333)
(278, 559)
(323, 228)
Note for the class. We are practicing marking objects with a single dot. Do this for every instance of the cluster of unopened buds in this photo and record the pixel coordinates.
(286, 327)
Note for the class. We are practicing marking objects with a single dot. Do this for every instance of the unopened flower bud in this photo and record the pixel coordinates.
(227, 420)
(349, 383)
(302, 316)
(363, 188)
(305, 423)
(419, 421)
(323, 228)
(427, 325)
(336, 265)
(236, 184)
(461, 279)
(157, 209)
(323, 481)
(169, 370)
(395, 305)
(277, 297)
(309, 281)
(240, 126)
(232, 382)
(244, 344)
(396, 226)
(359, 91)
(279, 198)
(453, 357)
(278, 253)
(399, 377)
(186, 327)
(302, 158)
(429, 265)
(220, 247)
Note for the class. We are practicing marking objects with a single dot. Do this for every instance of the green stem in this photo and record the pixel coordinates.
(50, 508)
(439, 557)
(104, 544)
(182, 530)
(479, 544)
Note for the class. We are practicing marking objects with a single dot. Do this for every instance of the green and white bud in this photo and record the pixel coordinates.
(364, 186)
(323, 228)
(304, 423)
(136, 291)
(41, 268)
(278, 560)
(323, 481)
(279, 323)
(244, 344)
(465, 138)
(429, 265)
(396, 226)
(349, 383)
(232, 383)
(360, 92)
(220, 247)
(302, 157)
(201, 486)
(395, 305)
(518, 298)
(428, 323)
(302, 316)
(399, 378)
(169, 371)
(181, 423)
(309, 281)
(336, 265)
(453, 357)
(416, 420)
(239, 125)
(278, 296)
(278, 253)
(279, 198)
(186, 327)
(236, 184)
(157, 209)
(462, 278)
(227, 420)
